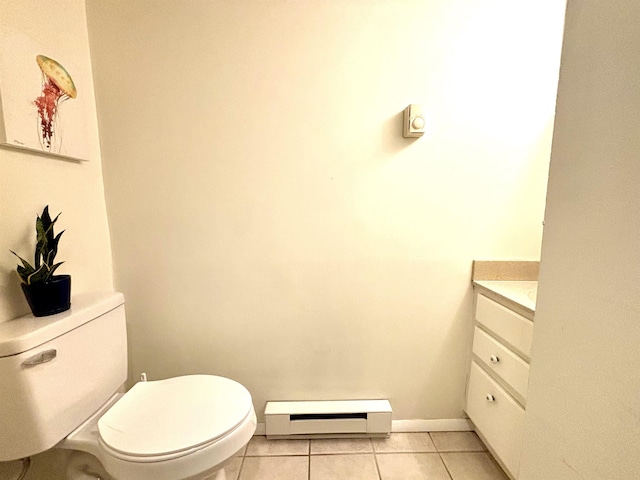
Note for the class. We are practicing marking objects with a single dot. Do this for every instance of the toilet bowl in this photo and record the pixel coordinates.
(64, 376)
(177, 428)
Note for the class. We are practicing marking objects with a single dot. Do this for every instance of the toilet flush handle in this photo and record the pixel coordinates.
(42, 357)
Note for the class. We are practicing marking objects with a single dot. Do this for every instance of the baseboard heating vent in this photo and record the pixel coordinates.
(328, 418)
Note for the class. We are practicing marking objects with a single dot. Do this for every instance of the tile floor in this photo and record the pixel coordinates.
(403, 456)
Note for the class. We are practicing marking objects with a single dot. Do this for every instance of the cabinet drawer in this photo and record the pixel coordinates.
(503, 362)
(497, 417)
(516, 330)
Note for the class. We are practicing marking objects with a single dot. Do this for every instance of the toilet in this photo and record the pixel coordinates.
(62, 388)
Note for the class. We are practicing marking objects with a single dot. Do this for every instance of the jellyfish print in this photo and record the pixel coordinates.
(57, 86)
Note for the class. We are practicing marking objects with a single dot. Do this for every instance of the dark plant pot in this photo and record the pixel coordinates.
(50, 297)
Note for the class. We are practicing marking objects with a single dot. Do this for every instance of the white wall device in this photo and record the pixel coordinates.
(328, 418)
(414, 122)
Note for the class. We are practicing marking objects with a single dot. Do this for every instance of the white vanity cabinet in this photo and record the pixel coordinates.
(499, 375)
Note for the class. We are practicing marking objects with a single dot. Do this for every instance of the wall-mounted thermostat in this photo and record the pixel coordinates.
(414, 122)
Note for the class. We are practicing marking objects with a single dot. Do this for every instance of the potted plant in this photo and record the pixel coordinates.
(45, 292)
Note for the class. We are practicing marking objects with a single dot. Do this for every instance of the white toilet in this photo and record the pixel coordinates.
(61, 377)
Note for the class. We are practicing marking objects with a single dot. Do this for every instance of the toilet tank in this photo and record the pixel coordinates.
(56, 371)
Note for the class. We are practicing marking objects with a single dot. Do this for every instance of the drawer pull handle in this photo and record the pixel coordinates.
(494, 359)
(40, 358)
(490, 398)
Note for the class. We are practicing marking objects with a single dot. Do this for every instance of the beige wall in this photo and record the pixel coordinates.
(583, 407)
(29, 181)
(270, 223)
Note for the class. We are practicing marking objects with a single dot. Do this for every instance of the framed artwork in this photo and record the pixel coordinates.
(44, 90)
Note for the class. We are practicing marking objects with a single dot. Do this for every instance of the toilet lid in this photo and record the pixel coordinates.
(164, 417)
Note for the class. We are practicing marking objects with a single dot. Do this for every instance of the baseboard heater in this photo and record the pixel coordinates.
(328, 418)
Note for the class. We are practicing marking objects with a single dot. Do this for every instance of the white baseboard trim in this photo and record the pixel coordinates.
(417, 425)
(433, 425)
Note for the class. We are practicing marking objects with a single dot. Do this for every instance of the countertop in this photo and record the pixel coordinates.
(523, 293)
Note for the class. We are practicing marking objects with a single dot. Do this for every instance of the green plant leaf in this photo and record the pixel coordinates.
(24, 262)
(45, 217)
(53, 249)
(41, 239)
(39, 275)
(45, 251)
(53, 269)
(49, 231)
(24, 273)
(23, 270)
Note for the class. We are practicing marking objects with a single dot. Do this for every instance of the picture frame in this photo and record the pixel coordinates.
(44, 93)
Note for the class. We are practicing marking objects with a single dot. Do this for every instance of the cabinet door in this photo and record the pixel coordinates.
(497, 417)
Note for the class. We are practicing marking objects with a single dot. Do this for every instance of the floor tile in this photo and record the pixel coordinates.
(232, 467)
(259, 446)
(343, 467)
(472, 466)
(341, 445)
(457, 442)
(411, 466)
(275, 468)
(404, 442)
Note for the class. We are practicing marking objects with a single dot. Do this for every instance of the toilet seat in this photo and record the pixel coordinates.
(161, 420)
